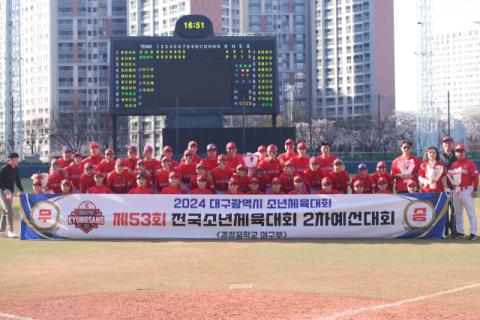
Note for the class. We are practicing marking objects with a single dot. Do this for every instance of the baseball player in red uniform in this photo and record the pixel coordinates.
(465, 193)
(174, 185)
(264, 179)
(402, 162)
(119, 181)
(271, 165)
(202, 183)
(233, 187)
(340, 178)
(262, 151)
(66, 187)
(150, 162)
(254, 184)
(382, 172)
(289, 152)
(99, 187)
(298, 182)
(142, 185)
(141, 169)
(210, 162)
(221, 175)
(412, 186)
(276, 186)
(67, 159)
(301, 162)
(75, 172)
(287, 177)
(368, 183)
(167, 152)
(187, 170)
(242, 178)
(326, 160)
(193, 181)
(37, 186)
(431, 159)
(358, 187)
(95, 158)
(313, 176)
(327, 187)
(87, 179)
(382, 185)
(192, 146)
(233, 159)
(54, 183)
(108, 164)
(162, 179)
(132, 159)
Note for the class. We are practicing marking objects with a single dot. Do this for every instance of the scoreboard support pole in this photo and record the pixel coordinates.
(274, 120)
(114, 134)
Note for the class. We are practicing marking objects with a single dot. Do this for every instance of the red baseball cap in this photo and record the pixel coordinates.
(289, 163)
(167, 148)
(410, 182)
(94, 144)
(262, 148)
(221, 157)
(460, 147)
(202, 177)
(37, 181)
(381, 164)
(119, 161)
(241, 166)
(276, 180)
(109, 151)
(66, 148)
(90, 165)
(232, 180)
(447, 138)
(301, 145)
(358, 183)
(187, 152)
(254, 179)
(54, 161)
(313, 160)
(382, 179)
(200, 165)
(289, 141)
(173, 174)
(166, 159)
(65, 181)
(337, 161)
(78, 153)
(99, 173)
(231, 145)
(257, 167)
(140, 162)
(272, 147)
(211, 146)
(131, 148)
(298, 177)
(326, 180)
(191, 143)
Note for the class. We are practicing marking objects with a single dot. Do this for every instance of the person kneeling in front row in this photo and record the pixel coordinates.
(142, 185)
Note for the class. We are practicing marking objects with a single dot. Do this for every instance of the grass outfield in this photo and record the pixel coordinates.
(391, 270)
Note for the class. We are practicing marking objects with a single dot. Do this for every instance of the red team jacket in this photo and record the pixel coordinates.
(285, 157)
(187, 172)
(99, 190)
(368, 184)
(469, 173)
(423, 173)
(129, 163)
(401, 184)
(196, 160)
(313, 178)
(74, 174)
(287, 182)
(139, 190)
(243, 183)
(134, 180)
(86, 182)
(233, 163)
(161, 180)
(333, 191)
(106, 168)
(151, 167)
(273, 170)
(194, 185)
(55, 183)
(390, 181)
(327, 164)
(300, 164)
(93, 160)
(209, 164)
(119, 184)
(172, 190)
(340, 182)
(220, 178)
(265, 182)
(64, 163)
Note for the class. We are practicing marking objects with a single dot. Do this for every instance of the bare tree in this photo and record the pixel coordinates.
(34, 135)
(72, 128)
(471, 121)
(406, 126)
(322, 130)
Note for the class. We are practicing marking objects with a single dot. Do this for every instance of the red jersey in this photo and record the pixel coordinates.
(287, 182)
(194, 185)
(131, 163)
(401, 184)
(106, 168)
(368, 184)
(423, 173)
(333, 191)
(151, 166)
(298, 192)
(340, 182)
(173, 165)
(209, 164)
(258, 192)
(93, 160)
(238, 192)
(74, 174)
(272, 169)
(313, 178)
(300, 164)
(144, 190)
(386, 192)
(173, 190)
(243, 183)
(281, 192)
(134, 180)
(196, 160)
(99, 190)
(198, 191)
(469, 173)
(327, 164)
(161, 180)
(86, 182)
(187, 172)
(285, 156)
(386, 175)
(119, 183)
(55, 183)
(64, 163)
(220, 178)
(233, 163)
(265, 182)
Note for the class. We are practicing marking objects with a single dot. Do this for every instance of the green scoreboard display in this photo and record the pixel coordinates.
(230, 75)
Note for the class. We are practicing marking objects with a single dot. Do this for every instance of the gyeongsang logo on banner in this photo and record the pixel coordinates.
(418, 215)
(87, 217)
(45, 216)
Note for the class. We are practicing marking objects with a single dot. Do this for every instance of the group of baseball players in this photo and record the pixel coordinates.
(274, 174)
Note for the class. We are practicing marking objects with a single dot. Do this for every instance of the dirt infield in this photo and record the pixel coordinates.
(217, 305)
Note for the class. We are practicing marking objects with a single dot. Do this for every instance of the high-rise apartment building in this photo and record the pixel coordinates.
(338, 54)
(65, 52)
(456, 62)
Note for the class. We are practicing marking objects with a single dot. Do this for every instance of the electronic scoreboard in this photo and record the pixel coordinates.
(229, 75)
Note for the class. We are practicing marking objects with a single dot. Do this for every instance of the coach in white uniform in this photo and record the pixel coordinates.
(464, 195)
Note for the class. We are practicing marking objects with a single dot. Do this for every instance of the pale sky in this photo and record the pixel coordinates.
(449, 16)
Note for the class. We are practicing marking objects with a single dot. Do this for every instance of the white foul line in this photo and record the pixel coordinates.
(337, 315)
(6, 315)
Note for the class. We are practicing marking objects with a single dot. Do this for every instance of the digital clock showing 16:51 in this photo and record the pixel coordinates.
(194, 26)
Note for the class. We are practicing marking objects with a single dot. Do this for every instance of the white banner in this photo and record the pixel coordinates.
(91, 216)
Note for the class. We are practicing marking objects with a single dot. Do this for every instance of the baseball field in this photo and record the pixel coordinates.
(247, 279)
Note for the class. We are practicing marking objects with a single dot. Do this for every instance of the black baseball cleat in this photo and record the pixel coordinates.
(456, 235)
(472, 237)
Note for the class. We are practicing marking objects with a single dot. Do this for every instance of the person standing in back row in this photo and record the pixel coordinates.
(405, 167)
(447, 157)
(9, 176)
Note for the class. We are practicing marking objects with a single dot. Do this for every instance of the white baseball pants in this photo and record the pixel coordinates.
(465, 200)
